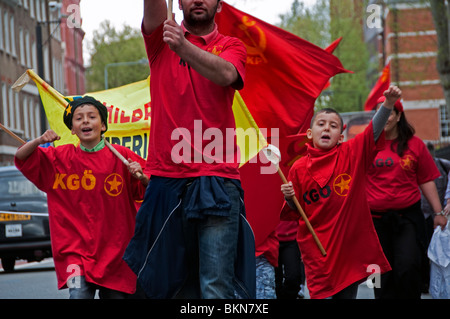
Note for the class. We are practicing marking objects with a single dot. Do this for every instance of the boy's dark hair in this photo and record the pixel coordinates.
(328, 110)
(70, 109)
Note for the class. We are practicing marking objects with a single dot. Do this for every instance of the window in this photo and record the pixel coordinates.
(6, 29)
(21, 47)
(445, 121)
(17, 112)
(11, 107)
(27, 48)
(26, 115)
(32, 118)
(37, 118)
(1, 31)
(5, 105)
(12, 35)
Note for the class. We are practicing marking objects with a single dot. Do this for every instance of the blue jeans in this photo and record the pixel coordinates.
(86, 290)
(212, 249)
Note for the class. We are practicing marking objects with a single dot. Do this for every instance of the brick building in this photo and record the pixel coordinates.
(61, 65)
(408, 40)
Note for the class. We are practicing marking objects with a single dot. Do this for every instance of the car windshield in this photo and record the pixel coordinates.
(18, 186)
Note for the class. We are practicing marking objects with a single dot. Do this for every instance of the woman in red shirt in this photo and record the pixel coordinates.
(398, 174)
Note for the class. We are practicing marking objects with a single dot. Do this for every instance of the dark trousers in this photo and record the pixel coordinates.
(290, 272)
(398, 237)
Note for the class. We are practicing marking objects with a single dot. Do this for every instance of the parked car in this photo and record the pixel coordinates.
(24, 226)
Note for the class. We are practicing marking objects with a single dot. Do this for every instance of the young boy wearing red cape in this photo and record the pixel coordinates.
(329, 183)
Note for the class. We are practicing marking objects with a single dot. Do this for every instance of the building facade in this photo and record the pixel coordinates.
(407, 38)
(21, 23)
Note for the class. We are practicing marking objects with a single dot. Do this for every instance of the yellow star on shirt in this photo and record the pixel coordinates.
(113, 184)
(341, 184)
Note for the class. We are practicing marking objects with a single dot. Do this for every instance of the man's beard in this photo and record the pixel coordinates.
(198, 21)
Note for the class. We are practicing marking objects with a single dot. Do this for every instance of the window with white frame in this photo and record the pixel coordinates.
(17, 111)
(26, 122)
(37, 118)
(6, 30)
(445, 121)
(27, 48)
(5, 105)
(21, 47)
(11, 107)
(2, 37)
(12, 35)
(32, 117)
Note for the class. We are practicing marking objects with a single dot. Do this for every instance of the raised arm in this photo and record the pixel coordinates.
(381, 117)
(155, 12)
(27, 149)
(212, 67)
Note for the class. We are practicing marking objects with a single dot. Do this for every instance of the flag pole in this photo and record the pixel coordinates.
(12, 134)
(169, 9)
(273, 155)
(304, 217)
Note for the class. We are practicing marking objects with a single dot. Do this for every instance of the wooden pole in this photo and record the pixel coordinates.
(305, 218)
(169, 9)
(12, 134)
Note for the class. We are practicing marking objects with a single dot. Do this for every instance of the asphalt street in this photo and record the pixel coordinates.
(37, 280)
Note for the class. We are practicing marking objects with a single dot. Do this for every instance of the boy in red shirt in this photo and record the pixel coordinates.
(91, 201)
(329, 184)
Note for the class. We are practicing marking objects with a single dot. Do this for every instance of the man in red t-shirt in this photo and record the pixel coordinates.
(195, 71)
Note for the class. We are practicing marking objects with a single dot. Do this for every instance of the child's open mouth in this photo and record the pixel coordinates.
(325, 137)
(86, 130)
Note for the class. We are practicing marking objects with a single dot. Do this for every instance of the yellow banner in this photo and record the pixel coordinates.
(129, 117)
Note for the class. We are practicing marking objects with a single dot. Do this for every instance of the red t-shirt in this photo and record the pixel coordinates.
(393, 182)
(191, 114)
(91, 203)
(330, 187)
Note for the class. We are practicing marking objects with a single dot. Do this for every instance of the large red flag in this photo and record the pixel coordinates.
(382, 85)
(284, 76)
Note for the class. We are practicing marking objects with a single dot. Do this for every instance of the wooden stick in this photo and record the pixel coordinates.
(305, 218)
(120, 156)
(169, 9)
(12, 134)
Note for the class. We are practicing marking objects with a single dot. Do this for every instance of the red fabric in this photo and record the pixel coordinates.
(340, 216)
(176, 107)
(91, 203)
(393, 182)
(377, 91)
(284, 76)
(270, 248)
(287, 230)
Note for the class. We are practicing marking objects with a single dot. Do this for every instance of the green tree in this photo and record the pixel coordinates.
(323, 23)
(112, 46)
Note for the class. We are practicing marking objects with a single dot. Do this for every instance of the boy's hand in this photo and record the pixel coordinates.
(136, 170)
(392, 95)
(288, 191)
(48, 137)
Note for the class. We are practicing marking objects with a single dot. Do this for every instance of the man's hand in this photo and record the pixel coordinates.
(173, 35)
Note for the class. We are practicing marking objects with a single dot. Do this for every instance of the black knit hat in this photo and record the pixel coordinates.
(70, 110)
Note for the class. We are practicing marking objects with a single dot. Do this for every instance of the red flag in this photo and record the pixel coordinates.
(284, 76)
(382, 85)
